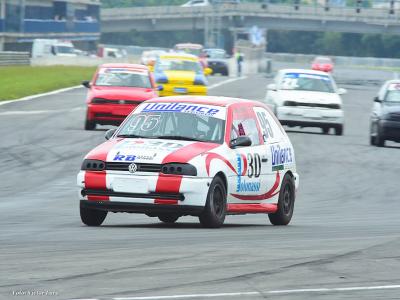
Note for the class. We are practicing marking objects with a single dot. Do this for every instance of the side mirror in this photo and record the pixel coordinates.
(86, 84)
(271, 87)
(376, 99)
(207, 71)
(110, 133)
(341, 91)
(160, 87)
(241, 141)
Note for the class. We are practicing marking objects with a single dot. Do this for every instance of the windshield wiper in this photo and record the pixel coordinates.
(178, 137)
(132, 136)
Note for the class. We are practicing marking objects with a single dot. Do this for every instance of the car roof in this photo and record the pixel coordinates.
(125, 65)
(308, 71)
(211, 100)
(179, 56)
(189, 45)
(393, 81)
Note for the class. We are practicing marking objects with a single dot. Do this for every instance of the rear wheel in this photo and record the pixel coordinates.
(168, 218)
(285, 203)
(379, 140)
(90, 125)
(213, 215)
(92, 217)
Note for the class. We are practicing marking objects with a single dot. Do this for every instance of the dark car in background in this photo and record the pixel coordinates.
(218, 61)
(385, 117)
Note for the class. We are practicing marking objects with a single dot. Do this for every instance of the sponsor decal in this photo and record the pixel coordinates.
(280, 157)
(148, 144)
(181, 107)
(306, 75)
(242, 185)
(122, 157)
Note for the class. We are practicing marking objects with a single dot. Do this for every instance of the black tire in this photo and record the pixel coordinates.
(168, 218)
(92, 217)
(213, 215)
(285, 203)
(372, 140)
(379, 140)
(90, 125)
(339, 130)
(225, 73)
(325, 130)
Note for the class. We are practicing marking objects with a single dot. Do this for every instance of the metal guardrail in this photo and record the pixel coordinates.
(369, 15)
(9, 58)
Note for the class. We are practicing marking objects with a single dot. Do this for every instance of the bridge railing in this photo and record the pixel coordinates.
(380, 15)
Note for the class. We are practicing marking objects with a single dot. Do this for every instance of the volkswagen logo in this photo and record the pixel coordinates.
(132, 168)
(121, 102)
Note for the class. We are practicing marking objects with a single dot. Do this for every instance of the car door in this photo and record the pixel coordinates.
(277, 149)
(249, 181)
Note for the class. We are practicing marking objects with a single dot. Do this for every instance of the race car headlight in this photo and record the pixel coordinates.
(289, 103)
(93, 165)
(179, 169)
(99, 100)
(162, 79)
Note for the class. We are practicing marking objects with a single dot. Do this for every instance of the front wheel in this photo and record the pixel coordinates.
(285, 203)
(325, 130)
(339, 130)
(90, 125)
(92, 217)
(214, 212)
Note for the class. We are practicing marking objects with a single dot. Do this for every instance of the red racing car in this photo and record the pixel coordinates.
(322, 63)
(115, 90)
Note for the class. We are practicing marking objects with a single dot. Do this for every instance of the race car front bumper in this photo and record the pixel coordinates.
(143, 208)
(120, 192)
(309, 117)
(390, 130)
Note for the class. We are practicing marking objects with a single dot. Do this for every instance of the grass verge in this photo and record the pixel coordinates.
(21, 81)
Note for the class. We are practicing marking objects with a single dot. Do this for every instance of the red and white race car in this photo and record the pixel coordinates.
(185, 155)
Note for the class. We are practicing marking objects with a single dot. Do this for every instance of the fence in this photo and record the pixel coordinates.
(14, 58)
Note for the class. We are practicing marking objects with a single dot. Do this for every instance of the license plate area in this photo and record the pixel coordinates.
(130, 185)
(180, 90)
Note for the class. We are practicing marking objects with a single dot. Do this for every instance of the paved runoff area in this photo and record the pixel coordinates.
(343, 241)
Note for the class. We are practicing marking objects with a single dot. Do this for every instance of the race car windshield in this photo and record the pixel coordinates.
(123, 78)
(179, 65)
(307, 82)
(174, 126)
(393, 96)
(64, 49)
(216, 54)
(193, 51)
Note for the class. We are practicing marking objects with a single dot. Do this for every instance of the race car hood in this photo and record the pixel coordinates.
(309, 97)
(124, 93)
(154, 151)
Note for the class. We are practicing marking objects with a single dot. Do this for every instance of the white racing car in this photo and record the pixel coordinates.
(307, 98)
(199, 156)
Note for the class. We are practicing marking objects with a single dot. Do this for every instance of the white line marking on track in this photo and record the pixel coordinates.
(41, 95)
(294, 291)
(37, 112)
(225, 82)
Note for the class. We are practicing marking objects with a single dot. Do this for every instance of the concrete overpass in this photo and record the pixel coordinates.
(276, 17)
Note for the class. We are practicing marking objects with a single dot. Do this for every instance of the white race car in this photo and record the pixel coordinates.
(307, 98)
(200, 156)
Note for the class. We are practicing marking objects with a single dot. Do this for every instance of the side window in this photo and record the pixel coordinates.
(271, 130)
(244, 123)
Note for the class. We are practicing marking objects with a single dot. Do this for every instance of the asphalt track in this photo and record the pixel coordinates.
(343, 242)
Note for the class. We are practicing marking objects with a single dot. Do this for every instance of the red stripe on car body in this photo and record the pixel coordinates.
(268, 208)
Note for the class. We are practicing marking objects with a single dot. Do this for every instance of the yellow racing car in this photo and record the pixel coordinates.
(180, 74)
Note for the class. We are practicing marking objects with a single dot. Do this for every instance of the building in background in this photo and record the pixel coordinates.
(22, 21)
